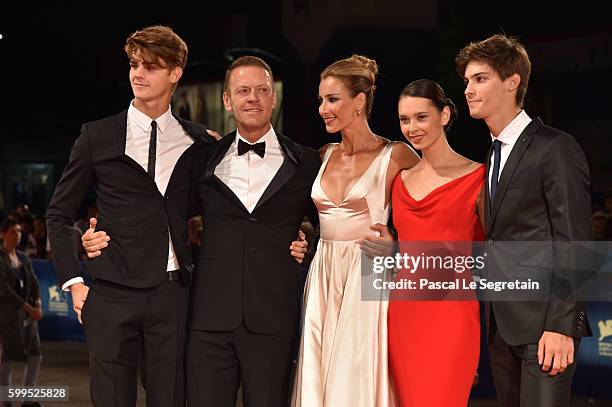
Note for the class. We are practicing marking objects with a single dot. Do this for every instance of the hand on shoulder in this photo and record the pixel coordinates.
(404, 156)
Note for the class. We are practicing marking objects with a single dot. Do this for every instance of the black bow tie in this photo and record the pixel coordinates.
(258, 148)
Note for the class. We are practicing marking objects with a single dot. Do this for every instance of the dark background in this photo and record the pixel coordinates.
(62, 64)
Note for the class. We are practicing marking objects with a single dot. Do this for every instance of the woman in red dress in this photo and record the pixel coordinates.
(434, 344)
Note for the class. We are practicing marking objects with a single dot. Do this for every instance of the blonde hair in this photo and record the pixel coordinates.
(358, 73)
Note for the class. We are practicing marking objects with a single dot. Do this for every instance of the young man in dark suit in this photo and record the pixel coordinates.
(139, 162)
(538, 190)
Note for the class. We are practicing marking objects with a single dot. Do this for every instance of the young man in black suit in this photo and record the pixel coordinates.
(537, 189)
(139, 162)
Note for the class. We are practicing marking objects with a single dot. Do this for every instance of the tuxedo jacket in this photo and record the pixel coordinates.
(131, 209)
(245, 271)
(543, 194)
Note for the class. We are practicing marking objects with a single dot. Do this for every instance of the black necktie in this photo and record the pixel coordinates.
(496, 161)
(259, 148)
(152, 150)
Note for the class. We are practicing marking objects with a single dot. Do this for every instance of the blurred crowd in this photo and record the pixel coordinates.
(34, 242)
(602, 218)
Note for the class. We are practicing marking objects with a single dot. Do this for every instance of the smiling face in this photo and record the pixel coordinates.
(421, 122)
(337, 107)
(486, 94)
(251, 97)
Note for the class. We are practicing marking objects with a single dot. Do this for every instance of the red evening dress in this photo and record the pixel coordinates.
(434, 345)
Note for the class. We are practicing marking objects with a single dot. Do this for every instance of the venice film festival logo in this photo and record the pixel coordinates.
(605, 337)
(57, 301)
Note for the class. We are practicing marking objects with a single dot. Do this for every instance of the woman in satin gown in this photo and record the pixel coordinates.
(434, 344)
(343, 350)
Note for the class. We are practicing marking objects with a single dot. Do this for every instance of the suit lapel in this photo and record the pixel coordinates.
(199, 136)
(227, 191)
(293, 155)
(286, 171)
(487, 191)
(510, 166)
(119, 132)
(217, 153)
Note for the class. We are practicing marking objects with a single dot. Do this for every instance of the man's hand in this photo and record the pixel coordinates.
(555, 352)
(93, 241)
(213, 133)
(383, 245)
(79, 293)
(299, 247)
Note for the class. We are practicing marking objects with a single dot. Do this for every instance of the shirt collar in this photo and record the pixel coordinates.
(270, 138)
(513, 130)
(144, 122)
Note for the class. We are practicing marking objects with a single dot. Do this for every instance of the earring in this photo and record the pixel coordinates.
(358, 110)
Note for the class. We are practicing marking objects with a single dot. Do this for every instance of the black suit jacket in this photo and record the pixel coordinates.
(245, 270)
(543, 194)
(137, 217)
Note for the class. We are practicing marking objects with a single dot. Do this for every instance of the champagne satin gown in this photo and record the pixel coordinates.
(434, 346)
(343, 350)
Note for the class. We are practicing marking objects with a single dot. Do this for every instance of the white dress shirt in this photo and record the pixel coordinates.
(249, 175)
(172, 141)
(508, 137)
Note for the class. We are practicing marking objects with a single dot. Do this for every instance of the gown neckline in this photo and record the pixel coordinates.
(433, 191)
(348, 193)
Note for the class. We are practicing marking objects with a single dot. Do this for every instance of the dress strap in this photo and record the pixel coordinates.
(380, 209)
(385, 159)
(328, 151)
